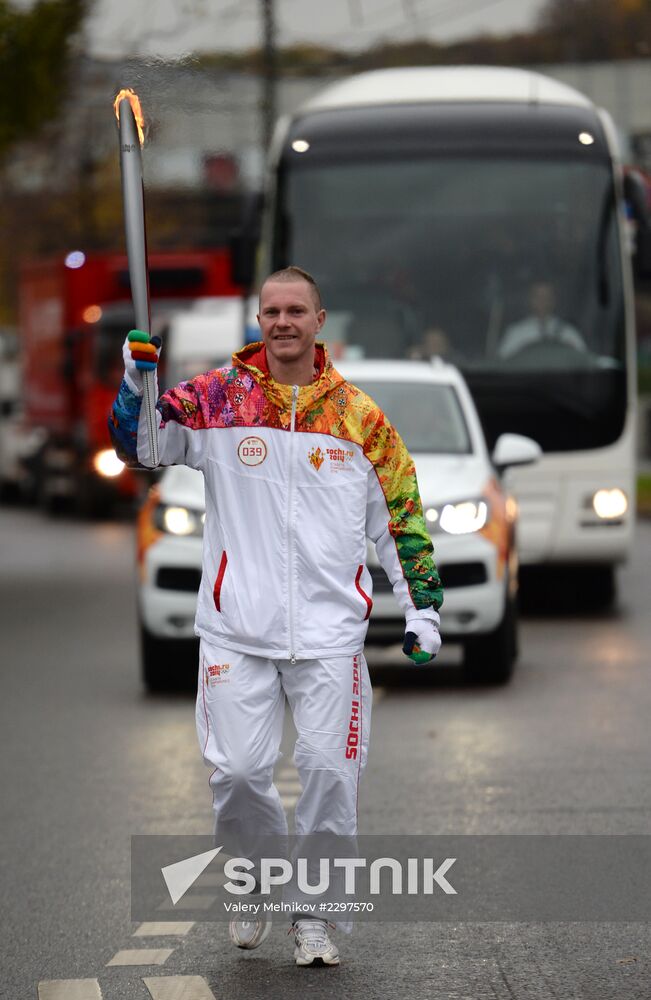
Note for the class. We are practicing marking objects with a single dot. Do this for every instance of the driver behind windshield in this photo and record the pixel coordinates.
(541, 326)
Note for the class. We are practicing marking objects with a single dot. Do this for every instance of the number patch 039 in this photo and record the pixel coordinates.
(252, 451)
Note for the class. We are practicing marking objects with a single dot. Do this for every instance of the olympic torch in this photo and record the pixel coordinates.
(130, 125)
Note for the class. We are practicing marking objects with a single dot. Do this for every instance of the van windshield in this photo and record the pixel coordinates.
(428, 417)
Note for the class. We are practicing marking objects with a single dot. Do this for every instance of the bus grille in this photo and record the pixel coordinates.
(178, 578)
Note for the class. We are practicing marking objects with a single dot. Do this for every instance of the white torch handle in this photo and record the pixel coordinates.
(133, 201)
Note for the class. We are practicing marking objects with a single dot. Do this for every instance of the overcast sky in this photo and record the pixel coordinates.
(171, 28)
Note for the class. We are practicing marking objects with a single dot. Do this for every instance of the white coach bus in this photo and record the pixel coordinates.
(477, 213)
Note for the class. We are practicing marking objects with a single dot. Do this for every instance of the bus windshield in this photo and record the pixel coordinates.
(506, 265)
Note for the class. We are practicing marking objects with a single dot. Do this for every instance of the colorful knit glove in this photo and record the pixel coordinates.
(140, 353)
(422, 639)
(143, 350)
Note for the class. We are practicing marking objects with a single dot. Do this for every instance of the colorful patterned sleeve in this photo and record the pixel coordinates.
(123, 424)
(395, 519)
(182, 410)
(183, 404)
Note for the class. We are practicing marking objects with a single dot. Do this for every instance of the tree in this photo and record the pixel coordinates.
(36, 47)
(585, 30)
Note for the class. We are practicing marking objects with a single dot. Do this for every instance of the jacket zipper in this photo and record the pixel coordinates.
(290, 530)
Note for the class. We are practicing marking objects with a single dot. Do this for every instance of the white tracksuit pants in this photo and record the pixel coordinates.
(240, 711)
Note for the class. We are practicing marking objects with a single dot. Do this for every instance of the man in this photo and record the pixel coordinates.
(300, 467)
(541, 326)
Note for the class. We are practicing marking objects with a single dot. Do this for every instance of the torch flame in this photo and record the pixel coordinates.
(134, 101)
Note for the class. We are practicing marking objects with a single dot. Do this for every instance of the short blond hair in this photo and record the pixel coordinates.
(294, 273)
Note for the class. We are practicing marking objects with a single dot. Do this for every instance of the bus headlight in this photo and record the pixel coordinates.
(460, 518)
(179, 520)
(609, 504)
(107, 463)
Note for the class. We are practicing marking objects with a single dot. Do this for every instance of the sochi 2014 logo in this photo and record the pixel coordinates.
(215, 673)
(316, 458)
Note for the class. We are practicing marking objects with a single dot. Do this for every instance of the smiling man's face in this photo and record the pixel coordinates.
(289, 320)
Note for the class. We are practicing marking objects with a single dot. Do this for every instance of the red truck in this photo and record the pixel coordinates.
(75, 311)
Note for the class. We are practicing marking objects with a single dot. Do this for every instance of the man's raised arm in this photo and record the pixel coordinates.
(179, 412)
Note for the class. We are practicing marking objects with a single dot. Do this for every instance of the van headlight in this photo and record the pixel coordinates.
(461, 518)
(179, 520)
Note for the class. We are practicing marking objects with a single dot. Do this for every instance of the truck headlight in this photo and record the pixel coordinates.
(179, 520)
(609, 504)
(461, 518)
(107, 463)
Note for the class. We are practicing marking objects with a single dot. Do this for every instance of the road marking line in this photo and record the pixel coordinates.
(141, 956)
(179, 988)
(69, 989)
(162, 928)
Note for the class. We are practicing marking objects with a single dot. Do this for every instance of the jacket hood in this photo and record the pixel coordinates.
(253, 358)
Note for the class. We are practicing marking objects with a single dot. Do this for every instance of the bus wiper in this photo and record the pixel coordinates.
(571, 404)
(603, 284)
(550, 396)
(523, 396)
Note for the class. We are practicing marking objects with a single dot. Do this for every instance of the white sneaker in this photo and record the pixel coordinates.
(249, 933)
(313, 946)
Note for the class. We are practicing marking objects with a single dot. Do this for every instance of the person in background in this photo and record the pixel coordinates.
(434, 344)
(541, 326)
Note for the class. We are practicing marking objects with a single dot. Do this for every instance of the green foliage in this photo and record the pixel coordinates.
(576, 31)
(294, 60)
(644, 494)
(35, 52)
(588, 30)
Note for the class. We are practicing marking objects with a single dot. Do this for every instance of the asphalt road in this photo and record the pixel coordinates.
(88, 760)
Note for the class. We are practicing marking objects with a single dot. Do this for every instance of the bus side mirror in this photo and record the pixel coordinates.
(638, 202)
(244, 241)
(515, 449)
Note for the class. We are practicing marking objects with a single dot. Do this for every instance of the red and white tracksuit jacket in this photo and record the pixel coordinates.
(296, 479)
